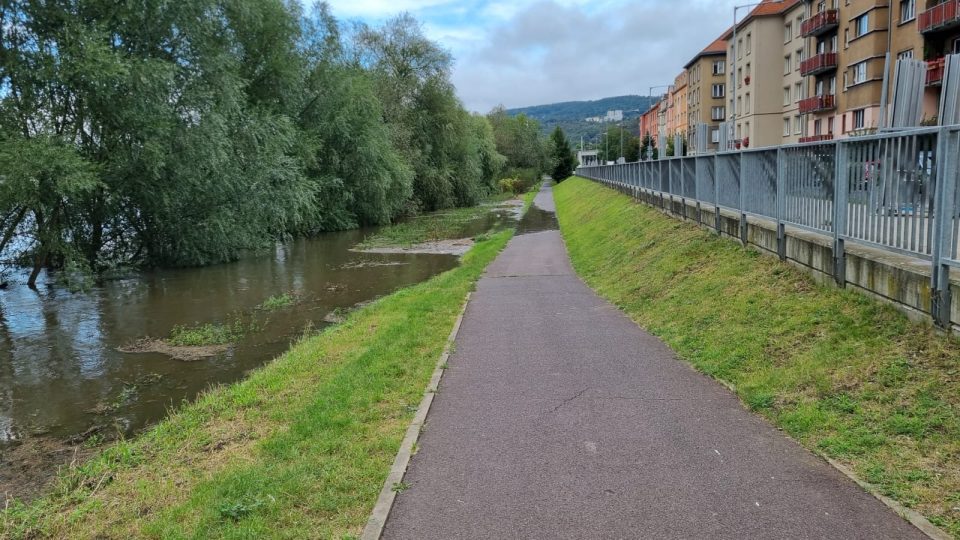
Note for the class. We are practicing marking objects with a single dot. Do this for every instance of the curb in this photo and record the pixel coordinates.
(915, 518)
(381, 510)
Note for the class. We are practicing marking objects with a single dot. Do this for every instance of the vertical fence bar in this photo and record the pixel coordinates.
(781, 200)
(716, 193)
(943, 241)
(840, 187)
(742, 196)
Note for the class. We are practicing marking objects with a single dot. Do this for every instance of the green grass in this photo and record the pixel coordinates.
(206, 334)
(442, 225)
(298, 450)
(277, 301)
(845, 376)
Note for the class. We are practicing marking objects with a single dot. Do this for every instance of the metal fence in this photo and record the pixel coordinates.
(897, 191)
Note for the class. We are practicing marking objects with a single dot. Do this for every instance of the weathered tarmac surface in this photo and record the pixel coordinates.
(560, 418)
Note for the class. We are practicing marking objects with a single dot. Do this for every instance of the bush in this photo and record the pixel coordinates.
(511, 185)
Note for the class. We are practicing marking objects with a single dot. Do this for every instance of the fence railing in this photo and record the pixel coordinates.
(894, 191)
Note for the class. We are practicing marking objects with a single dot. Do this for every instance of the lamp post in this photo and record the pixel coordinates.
(733, 66)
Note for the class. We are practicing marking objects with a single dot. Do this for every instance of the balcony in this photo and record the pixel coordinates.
(940, 17)
(821, 23)
(818, 64)
(817, 138)
(817, 104)
(935, 69)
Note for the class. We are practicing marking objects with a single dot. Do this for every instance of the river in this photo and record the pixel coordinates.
(65, 385)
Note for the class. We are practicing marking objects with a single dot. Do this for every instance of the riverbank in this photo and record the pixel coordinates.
(847, 377)
(300, 447)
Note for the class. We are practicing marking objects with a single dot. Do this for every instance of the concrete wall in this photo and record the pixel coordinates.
(901, 281)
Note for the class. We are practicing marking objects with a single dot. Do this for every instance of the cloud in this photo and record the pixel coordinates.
(529, 52)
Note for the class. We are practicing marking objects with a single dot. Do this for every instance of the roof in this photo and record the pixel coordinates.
(718, 47)
(766, 8)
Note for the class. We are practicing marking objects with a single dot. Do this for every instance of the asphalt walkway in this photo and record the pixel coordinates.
(560, 418)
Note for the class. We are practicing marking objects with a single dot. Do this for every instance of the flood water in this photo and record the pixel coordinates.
(62, 377)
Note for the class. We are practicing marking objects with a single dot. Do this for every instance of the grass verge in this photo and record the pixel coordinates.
(846, 376)
(298, 450)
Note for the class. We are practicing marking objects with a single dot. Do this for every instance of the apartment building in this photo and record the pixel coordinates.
(847, 48)
(758, 72)
(648, 122)
(793, 81)
(707, 91)
(677, 106)
(938, 23)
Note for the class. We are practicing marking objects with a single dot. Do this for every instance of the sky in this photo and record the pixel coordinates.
(531, 52)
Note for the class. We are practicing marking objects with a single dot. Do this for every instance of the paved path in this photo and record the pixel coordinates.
(560, 418)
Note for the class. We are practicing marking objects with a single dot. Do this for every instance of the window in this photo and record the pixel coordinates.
(719, 66)
(817, 127)
(860, 25)
(830, 125)
(905, 55)
(797, 125)
(787, 32)
(717, 91)
(833, 85)
(718, 113)
(739, 77)
(786, 65)
(746, 103)
(799, 56)
(739, 48)
(955, 49)
(859, 73)
(859, 119)
(786, 95)
(749, 43)
(786, 126)
(715, 135)
(908, 10)
(798, 92)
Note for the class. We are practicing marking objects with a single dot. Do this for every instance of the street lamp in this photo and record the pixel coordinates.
(733, 66)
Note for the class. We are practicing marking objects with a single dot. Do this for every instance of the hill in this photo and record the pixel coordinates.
(571, 115)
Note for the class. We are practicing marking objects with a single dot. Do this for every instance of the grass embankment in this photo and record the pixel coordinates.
(846, 376)
(298, 450)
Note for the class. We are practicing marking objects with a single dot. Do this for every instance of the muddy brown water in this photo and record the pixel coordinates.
(63, 379)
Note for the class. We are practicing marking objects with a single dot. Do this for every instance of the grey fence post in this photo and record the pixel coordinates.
(943, 215)
(742, 196)
(696, 186)
(781, 229)
(840, 189)
(716, 193)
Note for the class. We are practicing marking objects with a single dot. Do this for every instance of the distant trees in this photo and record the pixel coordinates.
(183, 133)
(564, 160)
(620, 142)
(518, 139)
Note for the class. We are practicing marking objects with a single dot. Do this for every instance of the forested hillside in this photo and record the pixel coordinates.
(571, 115)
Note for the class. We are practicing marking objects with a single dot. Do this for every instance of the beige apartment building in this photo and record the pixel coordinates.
(707, 92)
(677, 113)
(794, 90)
(756, 102)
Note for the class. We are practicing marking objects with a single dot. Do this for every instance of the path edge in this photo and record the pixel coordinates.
(381, 510)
